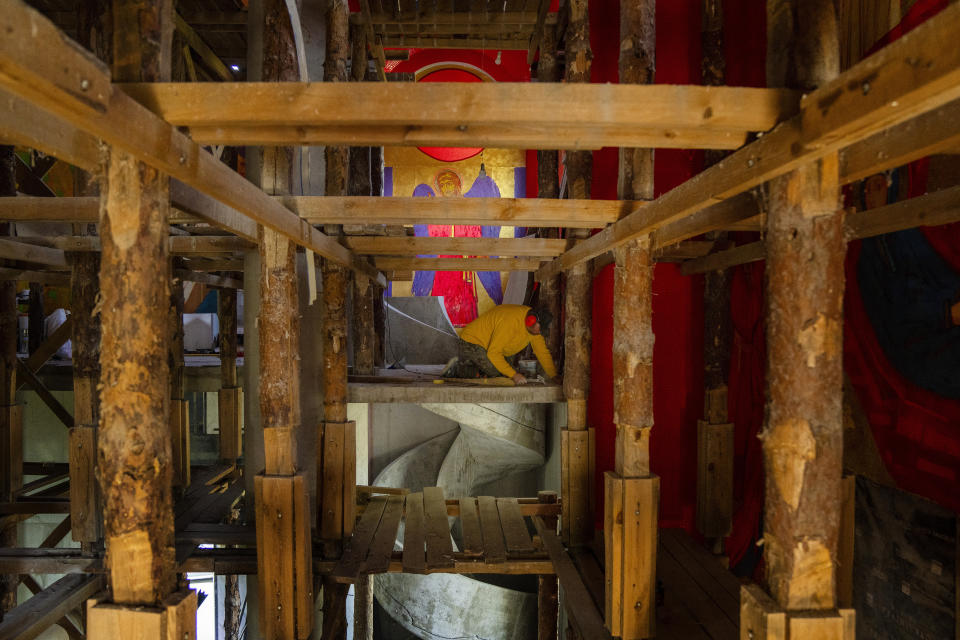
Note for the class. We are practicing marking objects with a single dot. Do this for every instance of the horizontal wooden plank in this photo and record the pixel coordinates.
(429, 392)
(34, 616)
(73, 85)
(932, 209)
(179, 245)
(43, 277)
(520, 212)
(570, 137)
(585, 615)
(458, 264)
(725, 259)
(897, 89)
(414, 105)
(411, 246)
(13, 250)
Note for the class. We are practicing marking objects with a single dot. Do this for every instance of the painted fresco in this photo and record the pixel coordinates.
(492, 173)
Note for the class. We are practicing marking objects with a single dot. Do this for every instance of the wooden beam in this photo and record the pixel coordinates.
(931, 133)
(572, 137)
(585, 616)
(884, 90)
(41, 611)
(458, 264)
(411, 246)
(179, 245)
(932, 209)
(521, 212)
(202, 49)
(725, 259)
(533, 44)
(73, 86)
(225, 282)
(23, 124)
(376, 46)
(44, 277)
(465, 18)
(23, 252)
(50, 346)
(609, 108)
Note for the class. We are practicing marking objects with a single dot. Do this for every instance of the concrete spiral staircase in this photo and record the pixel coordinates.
(493, 442)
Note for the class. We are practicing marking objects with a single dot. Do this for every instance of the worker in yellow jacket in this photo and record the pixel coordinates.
(498, 334)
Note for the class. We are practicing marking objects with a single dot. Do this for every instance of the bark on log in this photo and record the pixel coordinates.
(176, 335)
(227, 313)
(713, 66)
(335, 279)
(279, 324)
(9, 336)
(637, 65)
(364, 336)
(577, 338)
(335, 70)
(133, 444)
(579, 59)
(803, 437)
(633, 357)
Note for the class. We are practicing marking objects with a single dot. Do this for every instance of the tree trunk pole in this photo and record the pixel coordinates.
(9, 412)
(336, 455)
(714, 432)
(284, 543)
(230, 396)
(802, 439)
(179, 416)
(548, 183)
(133, 444)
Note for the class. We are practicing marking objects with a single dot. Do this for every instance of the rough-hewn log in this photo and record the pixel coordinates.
(579, 58)
(577, 339)
(133, 444)
(335, 283)
(633, 358)
(637, 64)
(548, 589)
(803, 439)
(9, 335)
(279, 326)
(227, 314)
(179, 416)
(713, 519)
(364, 335)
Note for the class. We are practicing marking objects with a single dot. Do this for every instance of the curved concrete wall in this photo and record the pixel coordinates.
(494, 441)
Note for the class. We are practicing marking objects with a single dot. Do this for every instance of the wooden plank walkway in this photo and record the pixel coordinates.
(496, 536)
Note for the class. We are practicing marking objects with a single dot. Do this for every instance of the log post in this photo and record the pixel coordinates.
(230, 397)
(632, 493)
(548, 588)
(336, 439)
(133, 456)
(284, 542)
(548, 183)
(11, 451)
(85, 516)
(179, 412)
(715, 434)
(336, 463)
(803, 435)
(576, 440)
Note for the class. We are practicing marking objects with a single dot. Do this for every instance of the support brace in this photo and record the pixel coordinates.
(175, 620)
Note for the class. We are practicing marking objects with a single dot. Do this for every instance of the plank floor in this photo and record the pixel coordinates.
(496, 536)
(699, 599)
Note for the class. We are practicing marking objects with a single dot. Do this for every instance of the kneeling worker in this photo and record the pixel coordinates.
(502, 332)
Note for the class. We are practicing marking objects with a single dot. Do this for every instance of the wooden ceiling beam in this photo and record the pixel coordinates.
(411, 246)
(179, 245)
(932, 209)
(519, 212)
(470, 105)
(23, 252)
(570, 137)
(918, 72)
(457, 264)
(70, 83)
(202, 49)
(528, 18)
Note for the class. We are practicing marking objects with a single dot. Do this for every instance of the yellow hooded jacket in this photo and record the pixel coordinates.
(503, 333)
